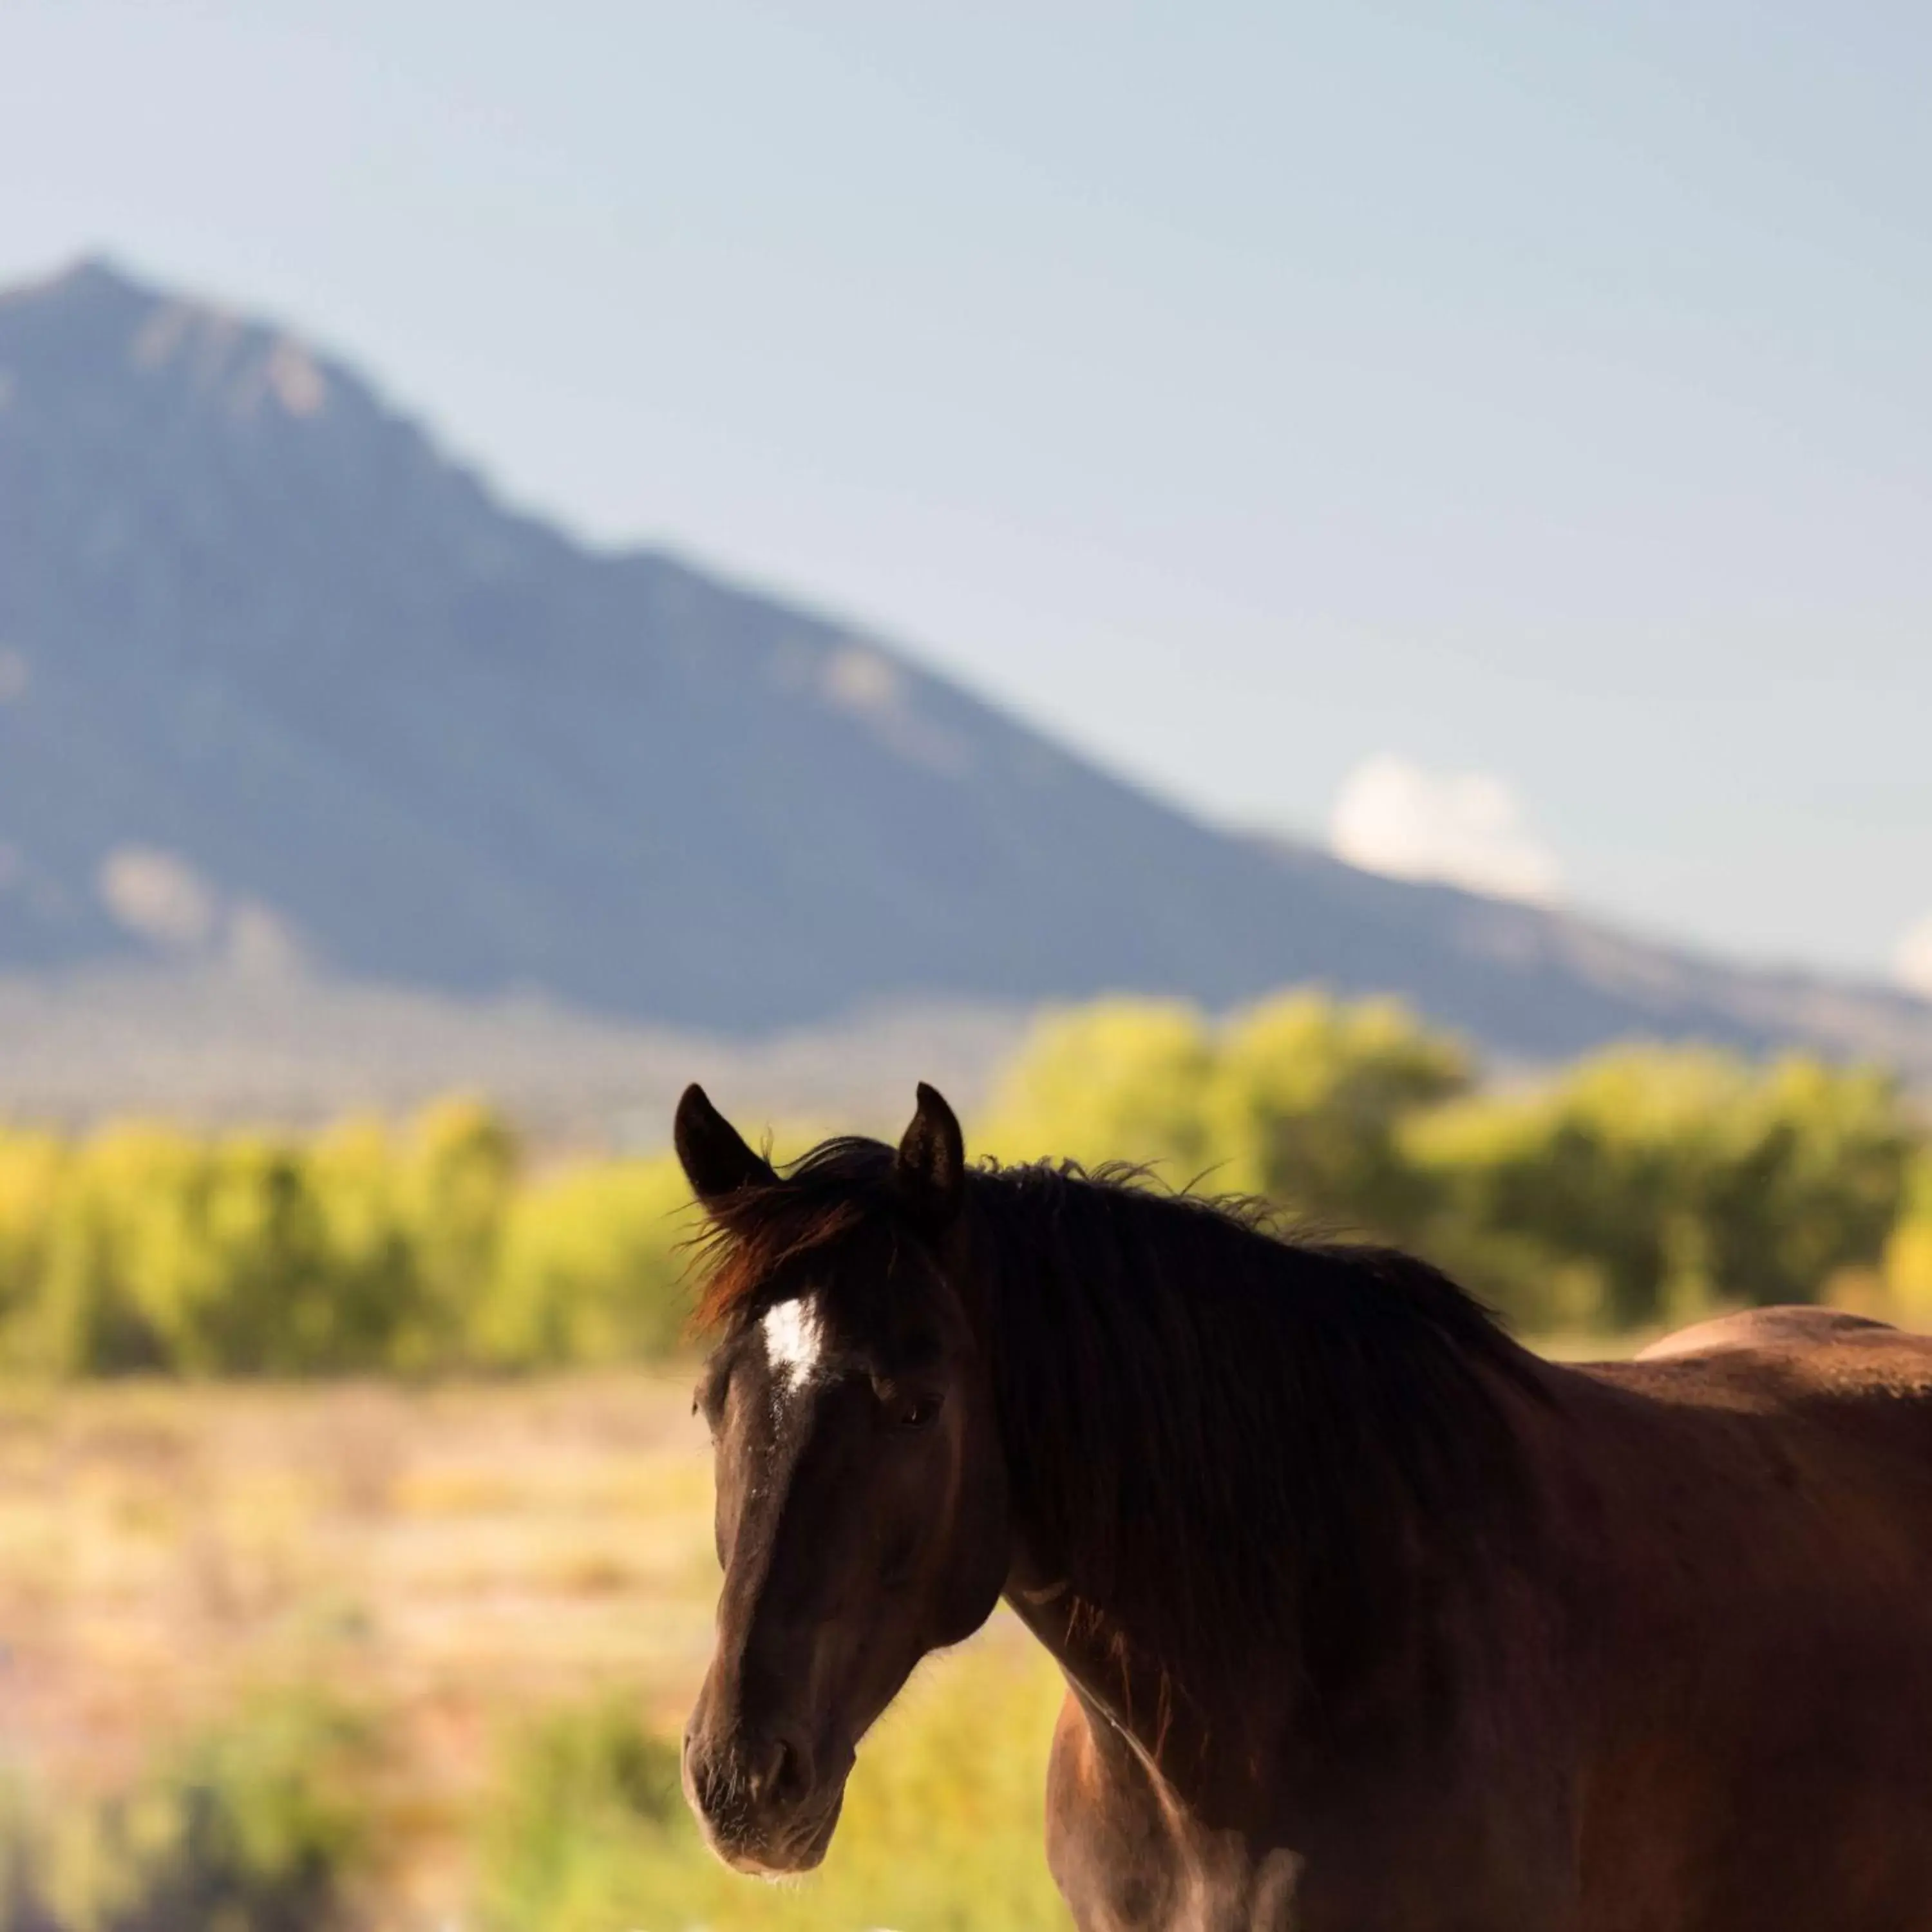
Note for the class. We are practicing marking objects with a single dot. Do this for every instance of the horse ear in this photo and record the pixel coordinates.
(931, 1163)
(715, 1160)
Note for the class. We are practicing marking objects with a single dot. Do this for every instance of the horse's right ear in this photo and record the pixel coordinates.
(712, 1152)
(931, 1165)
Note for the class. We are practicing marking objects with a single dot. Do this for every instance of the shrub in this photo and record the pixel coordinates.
(257, 1826)
(1639, 1186)
(942, 1831)
(592, 1268)
(1647, 1184)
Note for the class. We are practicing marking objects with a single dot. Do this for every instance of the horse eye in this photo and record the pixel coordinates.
(916, 1411)
(708, 1400)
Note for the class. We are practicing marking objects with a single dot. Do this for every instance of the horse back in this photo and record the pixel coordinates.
(1783, 1329)
(1820, 1379)
(1762, 1625)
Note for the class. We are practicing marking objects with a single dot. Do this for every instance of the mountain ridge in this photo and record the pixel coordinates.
(285, 687)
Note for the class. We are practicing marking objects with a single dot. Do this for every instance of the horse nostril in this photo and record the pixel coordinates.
(781, 1773)
(794, 1771)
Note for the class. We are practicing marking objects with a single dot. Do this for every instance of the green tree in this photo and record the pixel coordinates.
(1121, 1079)
(592, 1267)
(1667, 1179)
(1308, 1097)
(460, 1173)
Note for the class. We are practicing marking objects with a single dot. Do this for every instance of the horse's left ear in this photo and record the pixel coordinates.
(931, 1163)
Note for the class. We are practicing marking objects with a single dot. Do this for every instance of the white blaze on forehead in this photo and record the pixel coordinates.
(793, 1339)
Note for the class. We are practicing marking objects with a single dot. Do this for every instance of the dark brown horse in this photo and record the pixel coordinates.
(1372, 1621)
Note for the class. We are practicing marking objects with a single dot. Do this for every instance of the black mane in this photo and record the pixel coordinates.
(1249, 1434)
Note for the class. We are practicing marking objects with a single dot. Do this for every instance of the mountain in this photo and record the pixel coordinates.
(286, 691)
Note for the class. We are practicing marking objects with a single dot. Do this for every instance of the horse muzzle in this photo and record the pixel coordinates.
(759, 1801)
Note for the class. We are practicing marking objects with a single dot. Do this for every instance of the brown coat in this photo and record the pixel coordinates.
(1372, 1621)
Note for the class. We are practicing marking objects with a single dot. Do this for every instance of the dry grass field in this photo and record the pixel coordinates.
(454, 1561)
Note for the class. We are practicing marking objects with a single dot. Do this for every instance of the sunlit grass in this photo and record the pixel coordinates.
(510, 1587)
(942, 1831)
(467, 1568)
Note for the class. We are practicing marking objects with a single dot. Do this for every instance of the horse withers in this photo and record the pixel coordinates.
(1371, 1620)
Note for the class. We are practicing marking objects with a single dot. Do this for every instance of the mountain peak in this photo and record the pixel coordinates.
(283, 686)
(97, 271)
(88, 281)
(94, 324)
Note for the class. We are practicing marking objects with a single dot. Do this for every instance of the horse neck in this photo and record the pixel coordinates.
(1184, 1687)
(1200, 1720)
(1108, 1629)
(1176, 1717)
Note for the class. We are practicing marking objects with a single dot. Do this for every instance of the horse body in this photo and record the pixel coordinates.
(1760, 1664)
(1713, 1719)
(1372, 1621)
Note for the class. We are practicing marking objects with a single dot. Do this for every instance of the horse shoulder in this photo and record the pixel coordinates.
(1110, 1843)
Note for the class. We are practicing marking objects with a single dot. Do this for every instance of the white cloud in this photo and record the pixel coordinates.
(262, 944)
(1466, 828)
(160, 896)
(1912, 963)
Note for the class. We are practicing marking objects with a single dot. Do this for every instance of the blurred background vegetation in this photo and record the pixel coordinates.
(354, 1535)
(1644, 1184)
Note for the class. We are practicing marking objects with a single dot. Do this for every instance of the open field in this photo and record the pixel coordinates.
(454, 1563)
(507, 1587)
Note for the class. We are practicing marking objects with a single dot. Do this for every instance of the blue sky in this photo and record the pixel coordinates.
(1494, 436)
